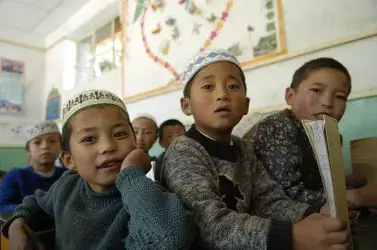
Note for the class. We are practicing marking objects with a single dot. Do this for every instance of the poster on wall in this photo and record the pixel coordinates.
(163, 35)
(11, 87)
(53, 105)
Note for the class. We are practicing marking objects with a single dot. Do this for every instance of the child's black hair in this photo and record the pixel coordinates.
(148, 118)
(170, 122)
(319, 63)
(187, 89)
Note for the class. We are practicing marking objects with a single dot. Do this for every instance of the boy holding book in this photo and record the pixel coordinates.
(320, 86)
(235, 202)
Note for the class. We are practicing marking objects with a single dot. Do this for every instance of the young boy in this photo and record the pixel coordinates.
(320, 86)
(146, 129)
(42, 147)
(168, 131)
(235, 202)
(105, 201)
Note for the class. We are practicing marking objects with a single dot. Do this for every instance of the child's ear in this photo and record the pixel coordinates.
(185, 106)
(67, 160)
(247, 105)
(289, 95)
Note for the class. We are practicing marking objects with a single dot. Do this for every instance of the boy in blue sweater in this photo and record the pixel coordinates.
(43, 147)
(104, 201)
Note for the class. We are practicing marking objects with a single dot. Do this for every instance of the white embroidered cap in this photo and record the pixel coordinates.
(41, 128)
(203, 59)
(89, 98)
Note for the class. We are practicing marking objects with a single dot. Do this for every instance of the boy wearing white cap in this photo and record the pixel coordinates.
(235, 202)
(104, 201)
(42, 147)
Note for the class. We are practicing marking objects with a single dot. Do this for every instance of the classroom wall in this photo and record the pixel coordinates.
(311, 28)
(33, 104)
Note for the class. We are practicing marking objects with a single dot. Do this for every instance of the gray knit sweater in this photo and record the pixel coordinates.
(235, 202)
(138, 216)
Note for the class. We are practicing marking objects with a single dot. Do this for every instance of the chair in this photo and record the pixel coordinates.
(248, 125)
(364, 157)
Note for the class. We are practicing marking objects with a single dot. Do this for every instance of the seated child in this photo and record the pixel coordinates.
(104, 201)
(42, 147)
(146, 129)
(168, 131)
(320, 86)
(235, 202)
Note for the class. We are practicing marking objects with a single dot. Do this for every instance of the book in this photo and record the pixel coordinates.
(325, 140)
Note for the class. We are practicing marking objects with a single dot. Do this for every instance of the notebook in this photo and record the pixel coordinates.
(324, 138)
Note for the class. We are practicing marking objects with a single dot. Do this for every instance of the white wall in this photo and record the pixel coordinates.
(34, 79)
(308, 26)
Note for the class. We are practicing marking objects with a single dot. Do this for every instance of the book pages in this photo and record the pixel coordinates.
(324, 138)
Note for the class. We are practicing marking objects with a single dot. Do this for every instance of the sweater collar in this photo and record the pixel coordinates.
(218, 149)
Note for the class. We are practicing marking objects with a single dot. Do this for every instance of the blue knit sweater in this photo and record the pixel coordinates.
(137, 214)
(19, 183)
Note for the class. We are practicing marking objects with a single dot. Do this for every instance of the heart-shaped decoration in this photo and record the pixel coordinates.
(213, 34)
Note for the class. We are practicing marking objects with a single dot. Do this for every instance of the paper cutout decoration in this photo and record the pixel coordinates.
(192, 8)
(236, 49)
(165, 47)
(211, 18)
(138, 10)
(196, 28)
(157, 29)
(175, 33)
(157, 5)
(170, 21)
(53, 105)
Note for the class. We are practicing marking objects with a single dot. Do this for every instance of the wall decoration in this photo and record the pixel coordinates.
(53, 105)
(14, 133)
(11, 87)
(196, 28)
(253, 30)
(157, 29)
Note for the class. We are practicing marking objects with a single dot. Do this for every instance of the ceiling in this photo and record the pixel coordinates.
(37, 17)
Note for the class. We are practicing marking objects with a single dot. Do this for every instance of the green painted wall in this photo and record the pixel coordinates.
(11, 157)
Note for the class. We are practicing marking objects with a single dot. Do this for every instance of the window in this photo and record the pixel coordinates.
(100, 52)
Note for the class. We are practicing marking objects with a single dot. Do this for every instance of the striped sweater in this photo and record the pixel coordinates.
(235, 202)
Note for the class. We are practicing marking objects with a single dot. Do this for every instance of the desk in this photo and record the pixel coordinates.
(366, 230)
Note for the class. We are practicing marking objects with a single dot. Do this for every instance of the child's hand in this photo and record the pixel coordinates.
(355, 198)
(355, 180)
(22, 237)
(137, 157)
(319, 232)
(352, 214)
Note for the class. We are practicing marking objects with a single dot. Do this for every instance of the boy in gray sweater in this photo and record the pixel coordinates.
(105, 201)
(235, 202)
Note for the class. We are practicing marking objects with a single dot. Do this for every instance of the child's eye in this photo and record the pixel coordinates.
(120, 134)
(88, 139)
(234, 86)
(207, 86)
(341, 97)
(37, 142)
(316, 90)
